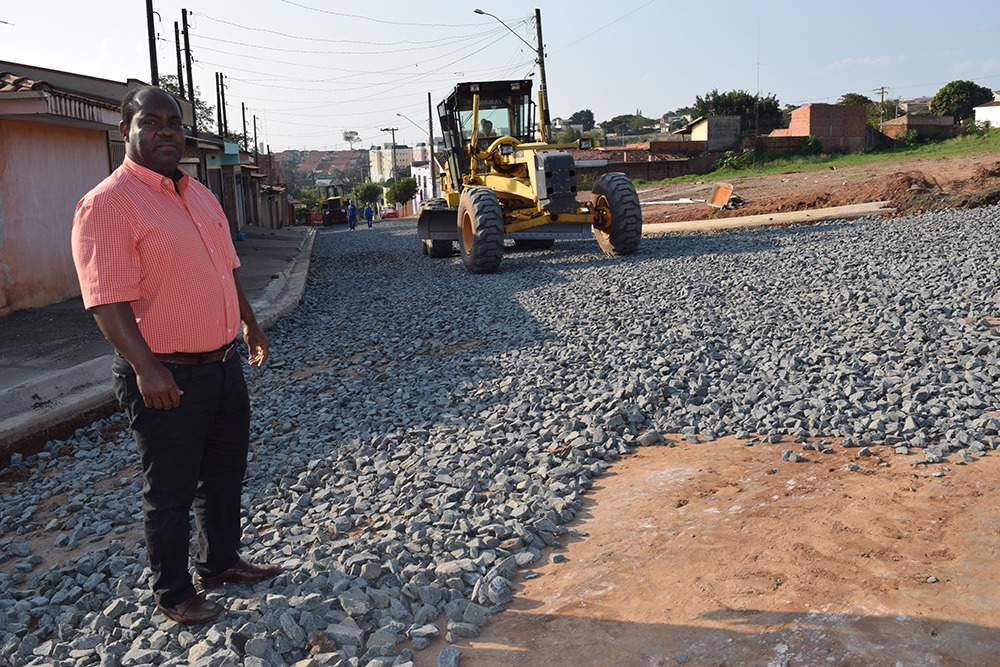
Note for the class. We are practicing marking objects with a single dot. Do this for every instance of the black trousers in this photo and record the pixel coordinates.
(193, 457)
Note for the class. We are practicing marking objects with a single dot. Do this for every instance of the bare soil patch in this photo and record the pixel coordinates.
(723, 554)
(910, 187)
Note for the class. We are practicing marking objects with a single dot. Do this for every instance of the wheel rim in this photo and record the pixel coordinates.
(467, 232)
(603, 210)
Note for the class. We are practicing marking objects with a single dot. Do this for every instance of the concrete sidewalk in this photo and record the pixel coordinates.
(55, 366)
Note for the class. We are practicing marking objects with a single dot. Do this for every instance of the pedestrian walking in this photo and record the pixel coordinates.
(369, 214)
(352, 215)
(156, 266)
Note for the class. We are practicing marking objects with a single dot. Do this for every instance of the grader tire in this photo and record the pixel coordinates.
(435, 247)
(480, 230)
(615, 197)
(534, 244)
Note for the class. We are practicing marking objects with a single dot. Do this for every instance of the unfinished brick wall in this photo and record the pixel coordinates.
(837, 126)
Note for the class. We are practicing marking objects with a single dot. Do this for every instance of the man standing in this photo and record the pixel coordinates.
(156, 267)
(369, 214)
(352, 215)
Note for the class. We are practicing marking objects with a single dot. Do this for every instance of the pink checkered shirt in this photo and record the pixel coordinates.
(169, 255)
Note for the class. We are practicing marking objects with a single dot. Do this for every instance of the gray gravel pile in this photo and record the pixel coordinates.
(421, 433)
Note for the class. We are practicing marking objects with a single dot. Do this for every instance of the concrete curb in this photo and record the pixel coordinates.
(283, 294)
(53, 402)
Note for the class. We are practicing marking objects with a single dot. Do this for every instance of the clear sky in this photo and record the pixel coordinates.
(310, 69)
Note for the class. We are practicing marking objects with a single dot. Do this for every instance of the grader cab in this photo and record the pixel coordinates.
(499, 183)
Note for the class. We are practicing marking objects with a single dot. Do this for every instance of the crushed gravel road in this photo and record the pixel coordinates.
(422, 436)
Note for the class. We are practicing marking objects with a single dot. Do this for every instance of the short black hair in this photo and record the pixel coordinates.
(129, 105)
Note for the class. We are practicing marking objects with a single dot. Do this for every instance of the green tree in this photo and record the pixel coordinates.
(616, 124)
(310, 198)
(565, 136)
(853, 99)
(786, 114)
(367, 192)
(204, 113)
(583, 117)
(756, 113)
(351, 137)
(401, 191)
(958, 98)
(627, 123)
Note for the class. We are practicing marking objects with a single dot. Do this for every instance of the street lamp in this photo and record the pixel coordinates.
(543, 90)
(411, 121)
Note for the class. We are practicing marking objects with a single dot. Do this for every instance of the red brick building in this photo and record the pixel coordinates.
(839, 127)
(939, 127)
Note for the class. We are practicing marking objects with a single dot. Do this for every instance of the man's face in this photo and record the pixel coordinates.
(155, 138)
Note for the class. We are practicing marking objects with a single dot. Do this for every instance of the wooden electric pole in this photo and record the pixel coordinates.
(154, 72)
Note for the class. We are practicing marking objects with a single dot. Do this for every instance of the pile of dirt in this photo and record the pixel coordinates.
(986, 176)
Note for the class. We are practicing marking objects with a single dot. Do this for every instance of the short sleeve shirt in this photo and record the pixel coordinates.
(166, 251)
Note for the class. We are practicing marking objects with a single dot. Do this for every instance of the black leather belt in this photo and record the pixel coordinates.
(197, 358)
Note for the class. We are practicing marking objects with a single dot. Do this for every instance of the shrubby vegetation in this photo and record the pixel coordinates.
(366, 192)
(401, 191)
(958, 98)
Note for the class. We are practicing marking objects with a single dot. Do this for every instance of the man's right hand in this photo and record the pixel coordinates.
(158, 388)
(156, 384)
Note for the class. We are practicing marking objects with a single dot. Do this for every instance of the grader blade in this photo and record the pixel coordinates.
(438, 224)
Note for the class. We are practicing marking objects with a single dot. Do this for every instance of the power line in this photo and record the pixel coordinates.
(314, 52)
(380, 21)
(422, 44)
(604, 26)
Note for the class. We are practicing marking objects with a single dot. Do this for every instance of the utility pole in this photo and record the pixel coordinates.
(187, 56)
(392, 130)
(180, 68)
(430, 132)
(154, 73)
(256, 151)
(881, 104)
(225, 116)
(243, 106)
(218, 102)
(543, 89)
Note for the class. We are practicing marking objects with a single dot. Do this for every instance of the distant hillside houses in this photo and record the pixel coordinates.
(310, 165)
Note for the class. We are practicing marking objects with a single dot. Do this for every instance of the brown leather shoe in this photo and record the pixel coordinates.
(193, 611)
(242, 573)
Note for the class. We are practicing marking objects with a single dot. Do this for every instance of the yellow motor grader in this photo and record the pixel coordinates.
(499, 183)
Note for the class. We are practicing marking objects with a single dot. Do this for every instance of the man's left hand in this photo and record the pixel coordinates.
(257, 345)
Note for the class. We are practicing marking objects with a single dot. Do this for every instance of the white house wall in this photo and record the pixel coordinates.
(989, 114)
